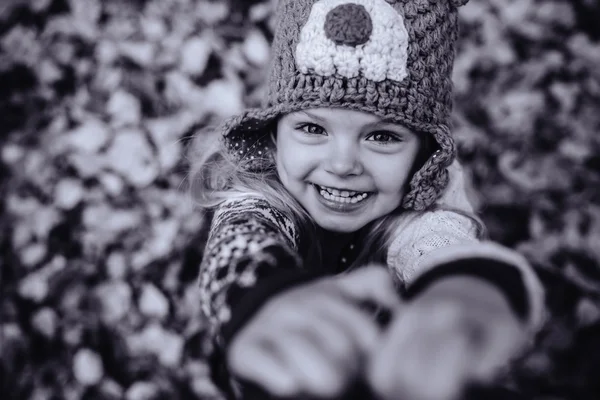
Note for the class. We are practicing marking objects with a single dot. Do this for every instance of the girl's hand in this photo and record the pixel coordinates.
(459, 331)
(313, 340)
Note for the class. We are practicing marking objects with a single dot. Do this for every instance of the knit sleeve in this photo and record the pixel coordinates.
(249, 243)
(444, 241)
(250, 256)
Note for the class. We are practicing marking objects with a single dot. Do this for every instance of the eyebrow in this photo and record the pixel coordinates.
(313, 116)
(383, 122)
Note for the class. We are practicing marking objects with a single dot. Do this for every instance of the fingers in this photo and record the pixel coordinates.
(341, 347)
(370, 283)
(298, 361)
(327, 353)
(508, 338)
(313, 347)
(257, 363)
(353, 322)
(383, 371)
(421, 359)
(418, 377)
(323, 308)
(312, 340)
(317, 372)
(434, 349)
(446, 370)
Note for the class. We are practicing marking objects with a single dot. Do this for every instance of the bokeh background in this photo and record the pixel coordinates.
(100, 242)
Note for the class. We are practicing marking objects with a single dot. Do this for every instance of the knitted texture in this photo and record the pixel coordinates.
(390, 58)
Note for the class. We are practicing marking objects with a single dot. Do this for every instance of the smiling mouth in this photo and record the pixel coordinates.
(341, 196)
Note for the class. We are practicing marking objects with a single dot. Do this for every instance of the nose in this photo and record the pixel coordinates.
(348, 24)
(343, 159)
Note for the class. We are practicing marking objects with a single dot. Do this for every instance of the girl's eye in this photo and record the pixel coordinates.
(312, 129)
(384, 137)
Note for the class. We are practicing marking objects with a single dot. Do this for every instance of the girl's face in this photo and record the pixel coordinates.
(347, 168)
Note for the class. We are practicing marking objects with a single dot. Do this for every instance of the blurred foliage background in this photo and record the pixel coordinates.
(101, 244)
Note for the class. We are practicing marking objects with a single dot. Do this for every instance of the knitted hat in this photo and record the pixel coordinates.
(392, 58)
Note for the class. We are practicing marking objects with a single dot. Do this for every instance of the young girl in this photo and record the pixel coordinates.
(340, 197)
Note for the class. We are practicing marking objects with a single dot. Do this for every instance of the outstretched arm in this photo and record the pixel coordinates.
(250, 256)
(445, 242)
(274, 330)
(471, 305)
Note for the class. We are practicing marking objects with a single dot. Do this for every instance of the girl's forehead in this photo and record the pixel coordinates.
(340, 116)
(333, 114)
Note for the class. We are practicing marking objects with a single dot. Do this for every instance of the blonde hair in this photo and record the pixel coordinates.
(215, 177)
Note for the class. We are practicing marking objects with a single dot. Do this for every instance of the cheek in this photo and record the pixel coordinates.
(392, 176)
(294, 162)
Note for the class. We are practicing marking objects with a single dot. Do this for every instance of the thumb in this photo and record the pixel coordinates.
(370, 283)
(508, 340)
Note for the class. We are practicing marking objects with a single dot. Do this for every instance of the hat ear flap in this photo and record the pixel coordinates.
(458, 3)
(430, 181)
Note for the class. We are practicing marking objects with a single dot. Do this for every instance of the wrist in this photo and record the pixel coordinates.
(505, 278)
(254, 299)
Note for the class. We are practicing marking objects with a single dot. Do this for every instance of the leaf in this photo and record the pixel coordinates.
(85, 15)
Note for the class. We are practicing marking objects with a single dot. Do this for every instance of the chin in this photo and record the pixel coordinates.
(339, 226)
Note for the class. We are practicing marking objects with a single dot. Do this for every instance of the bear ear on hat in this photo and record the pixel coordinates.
(458, 3)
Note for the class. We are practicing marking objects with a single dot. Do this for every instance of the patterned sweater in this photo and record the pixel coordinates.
(253, 253)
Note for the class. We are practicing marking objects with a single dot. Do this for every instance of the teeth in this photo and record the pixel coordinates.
(338, 193)
(330, 195)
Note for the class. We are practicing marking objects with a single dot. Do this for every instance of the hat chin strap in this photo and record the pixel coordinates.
(426, 188)
(458, 3)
